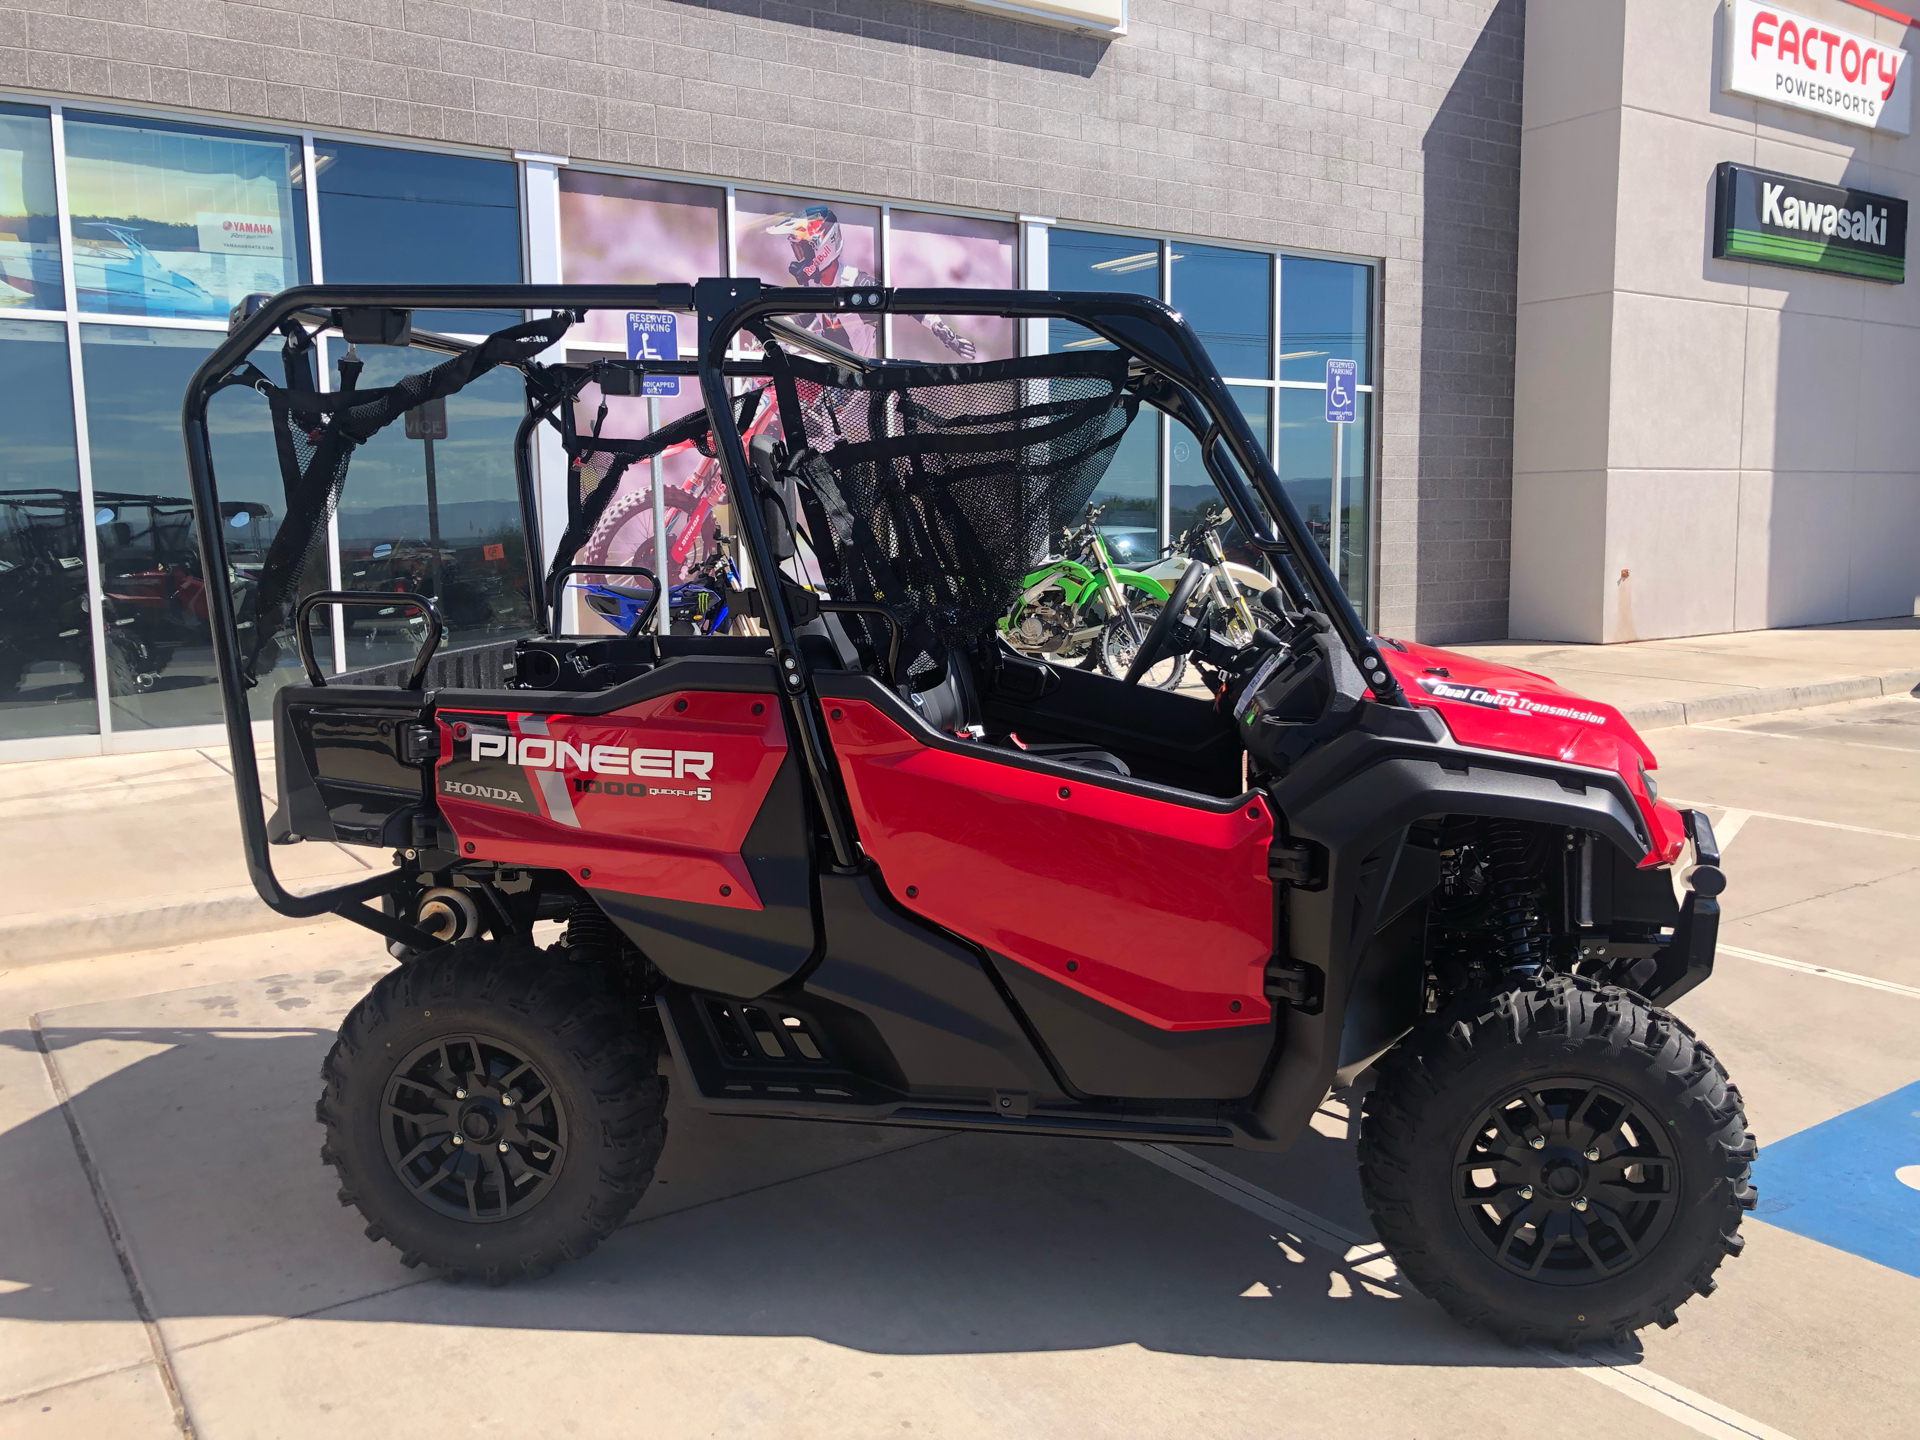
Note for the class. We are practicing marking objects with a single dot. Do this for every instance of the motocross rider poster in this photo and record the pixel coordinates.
(615, 229)
(951, 252)
(173, 222)
(787, 240)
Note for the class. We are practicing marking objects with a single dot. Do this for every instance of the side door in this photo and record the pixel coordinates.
(1146, 901)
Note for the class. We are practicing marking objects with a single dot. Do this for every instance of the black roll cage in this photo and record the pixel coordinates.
(1169, 368)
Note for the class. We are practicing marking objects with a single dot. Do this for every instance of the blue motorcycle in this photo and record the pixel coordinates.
(702, 605)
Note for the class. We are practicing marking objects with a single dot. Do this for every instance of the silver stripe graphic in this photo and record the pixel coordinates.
(553, 785)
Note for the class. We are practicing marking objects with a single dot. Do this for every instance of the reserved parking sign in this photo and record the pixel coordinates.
(654, 335)
(1342, 388)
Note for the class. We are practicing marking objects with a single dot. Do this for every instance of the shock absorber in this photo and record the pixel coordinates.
(1513, 885)
(590, 934)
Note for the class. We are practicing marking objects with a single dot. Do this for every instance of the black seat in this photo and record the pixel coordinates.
(954, 706)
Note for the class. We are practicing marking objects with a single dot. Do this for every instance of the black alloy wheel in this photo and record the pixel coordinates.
(493, 1110)
(1559, 1161)
(473, 1128)
(1565, 1181)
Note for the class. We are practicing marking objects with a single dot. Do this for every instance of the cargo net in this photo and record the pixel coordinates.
(941, 486)
(610, 498)
(316, 434)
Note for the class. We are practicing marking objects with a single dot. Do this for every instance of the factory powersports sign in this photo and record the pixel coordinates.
(1781, 55)
(1781, 220)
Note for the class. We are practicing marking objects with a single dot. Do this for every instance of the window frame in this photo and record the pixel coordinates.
(1030, 267)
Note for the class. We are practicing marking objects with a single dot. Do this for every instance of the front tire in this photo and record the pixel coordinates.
(1557, 1162)
(1114, 648)
(546, 1079)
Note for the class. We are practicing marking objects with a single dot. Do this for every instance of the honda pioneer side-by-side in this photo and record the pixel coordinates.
(859, 859)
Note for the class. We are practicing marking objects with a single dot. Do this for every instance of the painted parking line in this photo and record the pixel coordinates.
(1367, 1257)
(1799, 820)
(1820, 739)
(1840, 1182)
(1871, 982)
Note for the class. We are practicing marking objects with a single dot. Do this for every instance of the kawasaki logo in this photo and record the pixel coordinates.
(1790, 212)
(541, 753)
(1785, 220)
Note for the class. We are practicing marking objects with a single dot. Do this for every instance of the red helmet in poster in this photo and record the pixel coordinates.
(814, 234)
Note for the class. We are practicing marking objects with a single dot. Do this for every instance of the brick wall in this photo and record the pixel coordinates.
(1385, 128)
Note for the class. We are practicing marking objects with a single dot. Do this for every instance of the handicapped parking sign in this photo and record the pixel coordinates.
(1342, 388)
(654, 335)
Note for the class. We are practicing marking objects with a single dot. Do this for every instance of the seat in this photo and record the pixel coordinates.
(954, 706)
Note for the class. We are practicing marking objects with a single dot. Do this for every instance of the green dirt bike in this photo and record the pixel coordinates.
(1083, 609)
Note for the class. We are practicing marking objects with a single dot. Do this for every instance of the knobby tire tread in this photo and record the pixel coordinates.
(579, 1012)
(1547, 1023)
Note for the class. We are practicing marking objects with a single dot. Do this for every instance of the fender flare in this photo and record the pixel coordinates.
(1353, 798)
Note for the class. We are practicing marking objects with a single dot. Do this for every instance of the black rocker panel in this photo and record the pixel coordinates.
(933, 1004)
(737, 952)
(1102, 1052)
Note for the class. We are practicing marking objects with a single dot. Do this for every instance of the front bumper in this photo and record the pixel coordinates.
(1688, 958)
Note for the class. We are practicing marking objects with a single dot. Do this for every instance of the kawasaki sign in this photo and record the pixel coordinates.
(1781, 220)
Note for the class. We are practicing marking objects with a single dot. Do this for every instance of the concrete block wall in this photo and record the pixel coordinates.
(1385, 128)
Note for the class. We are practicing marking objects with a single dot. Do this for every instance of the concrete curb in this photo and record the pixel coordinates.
(1666, 713)
(50, 935)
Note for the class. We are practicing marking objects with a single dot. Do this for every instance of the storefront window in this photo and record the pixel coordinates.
(788, 240)
(46, 642)
(947, 252)
(1305, 465)
(1227, 297)
(1189, 487)
(618, 230)
(29, 226)
(180, 220)
(1324, 314)
(396, 217)
(437, 517)
(160, 663)
(693, 500)
(1130, 490)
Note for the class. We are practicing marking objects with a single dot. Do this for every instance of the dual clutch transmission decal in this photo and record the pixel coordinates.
(1512, 701)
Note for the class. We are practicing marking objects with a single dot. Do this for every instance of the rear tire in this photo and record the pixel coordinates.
(1545, 1242)
(549, 1080)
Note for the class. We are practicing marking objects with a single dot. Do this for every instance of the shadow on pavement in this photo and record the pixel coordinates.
(889, 1241)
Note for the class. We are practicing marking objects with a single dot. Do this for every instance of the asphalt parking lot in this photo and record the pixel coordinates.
(172, 1259)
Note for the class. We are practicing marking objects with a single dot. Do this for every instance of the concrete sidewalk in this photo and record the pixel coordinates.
(137, 851)
(1657, 683)
(112, 851)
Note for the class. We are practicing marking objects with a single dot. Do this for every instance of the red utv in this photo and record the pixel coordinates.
(871, 865)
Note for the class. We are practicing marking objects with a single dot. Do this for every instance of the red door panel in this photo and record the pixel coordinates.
(652, 800)
(1161, 910)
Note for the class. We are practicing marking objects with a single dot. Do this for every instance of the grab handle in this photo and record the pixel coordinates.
(396, 598)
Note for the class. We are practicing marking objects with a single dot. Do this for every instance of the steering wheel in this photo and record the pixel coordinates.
(1149, 653)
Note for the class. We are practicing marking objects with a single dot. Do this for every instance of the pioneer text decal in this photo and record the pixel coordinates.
(1783, 220)
(544, 753)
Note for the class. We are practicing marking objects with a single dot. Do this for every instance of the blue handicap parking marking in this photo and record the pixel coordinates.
(1852, 1182)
